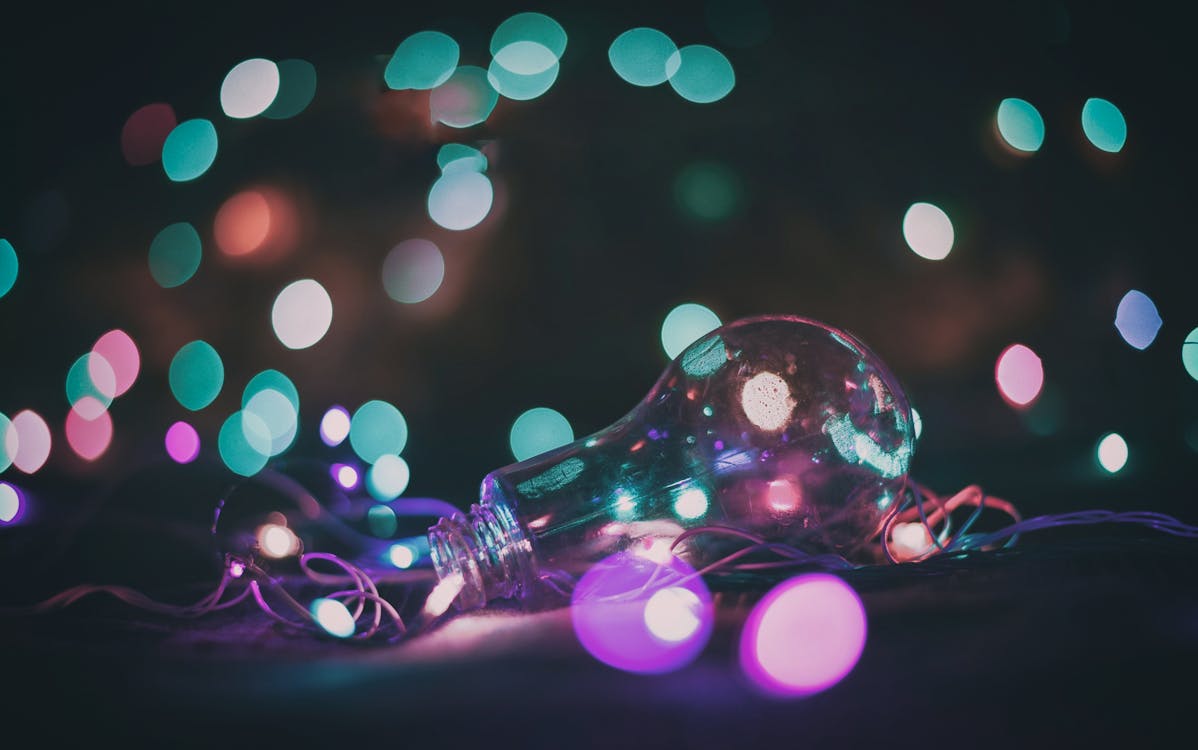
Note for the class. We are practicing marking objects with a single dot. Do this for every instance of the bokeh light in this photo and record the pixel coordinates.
(334, 426)
(88, 436)
(525, 58)
(333, 617)
(1104, 125)
(804, 636)
(376, 429)
(401, 556)
(413, 271)
(640, 615)
(700, 74)
(708, 191)
(196, 375)
(686, 324)
(460, 199)
(9, 442)
(530, 27)
(380, 518)
(1019, 374)
(538, 430)
(388, 477)
(302, 314)
(1020, 125)
(90, 377)
(454, 156)
(1137, 319)
(1189, 353)
(297, 87)
(928, 231)
(691, 503)
(31, 441)
(465, 99)
(175, 254)
(144, 133)
(277, 541)
(274, 380)
(639, 56)
(1112, 452)
(116, 350)
(182, 443)
(9, 266)
(278, 414)
(346, 476)
(10, 504)
(244, 443)
(189, 150)
(249, 88)
(424, 60)
(242, 224)
(519, 86)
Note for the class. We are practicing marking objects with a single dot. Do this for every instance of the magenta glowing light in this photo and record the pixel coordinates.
(643, 616)
(89, 436)
(804, 636)
(236, 569)
(345, 475)
(334, 426)
(116, 350)
(1019, 374)
(182, 443)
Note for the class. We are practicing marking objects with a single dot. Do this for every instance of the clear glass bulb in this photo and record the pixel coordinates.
(779, 426)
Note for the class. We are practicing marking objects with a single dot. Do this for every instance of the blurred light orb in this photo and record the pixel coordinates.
(144, 133)
(31, 441)
(388, 477)
(465, 99)
(640, 56)
(242, 223)
(928, 231)
(175, 254)
(302, 314)
(690, 504)
(182, 443)
(297, 87)
(700, 74)
(345, 476)
(10, 503)
(424, 60)
(413, 271)
(643, 616)
(538, 430)
(460, 200)
(401, 556)
(708, 191)
(1137, 319)
(189, 150)
(686, 324)
(271, 380)
(376, 429)
(90, 377)
(525, 58)
(333, 617)
(518, 86)
(277, 412)
(9, 442)
(334, 426)
(89, 437)
(196, 375)
(277, 541)
(454, 156)
(116, 350)
(9, 266)
(244, 443)
(537, 28)
(249, 88)
(804, 636)
(767, 401)
(1104, 125)
(1189, 354)
(1020, 125)
(1019, 374)
(381, 519)
(1112, 452)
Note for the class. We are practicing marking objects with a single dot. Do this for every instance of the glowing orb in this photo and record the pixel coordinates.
(1189, 354)
(805, 636)
(116, 351)
(460, 199)
(1020, 125)
(244, 443)
(1019, 374)
(10, 503)
(928, 231)
(88, 436)
(345, 475)
(175, 255)
(302, 314)
(640, 56)
(1137, 319)
(691, 504)
(453, 156)
(333, 617)
(9, 442)
(90, 376)
(277, 541)
(189, 150)
(32, 441)
(538, 430)
(424, 60)
(1104, 125)
(521, 87)
(413, 271)
(182, 443)
(242, 223)
(297, 87)
(278, 414)
(700, 74)
(642, 616)
(196, 375)
(388, 477)
(684, 325)
(249, 88)
(537, 28)
(9, 266)
(767, 401)
(377, 429)
(334, 426)
(382, 521)
(464, 100)
(401, 556)
(1112, 452)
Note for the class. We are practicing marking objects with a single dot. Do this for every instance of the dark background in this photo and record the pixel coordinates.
(843, 115)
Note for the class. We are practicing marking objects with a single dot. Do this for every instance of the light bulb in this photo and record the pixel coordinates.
(779, 426)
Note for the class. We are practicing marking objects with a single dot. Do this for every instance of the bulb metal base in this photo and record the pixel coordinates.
(487, 549)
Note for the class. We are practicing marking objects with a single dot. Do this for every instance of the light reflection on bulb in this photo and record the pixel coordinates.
(691, 504)
(673, 614)
(910, 541)
(277, 541)
(401, 556)
(767, 401)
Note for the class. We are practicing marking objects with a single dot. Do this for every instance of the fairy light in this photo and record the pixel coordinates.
(333, 617)
(277, 541)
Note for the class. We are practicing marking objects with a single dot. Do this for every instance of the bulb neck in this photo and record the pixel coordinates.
(487, 549)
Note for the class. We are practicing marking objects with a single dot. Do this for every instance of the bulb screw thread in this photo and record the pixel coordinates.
(487, 549)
